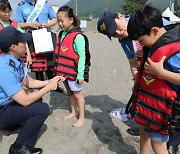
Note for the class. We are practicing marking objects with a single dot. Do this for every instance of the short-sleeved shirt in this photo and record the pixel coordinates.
(173, 65)
(23, 11)
(12, 74)
(128, 45)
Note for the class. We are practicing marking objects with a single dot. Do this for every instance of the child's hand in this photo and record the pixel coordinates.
(154, 68)
(35, 25)
(44, 25)
(56, 79)
(62, 78)
(79, 81)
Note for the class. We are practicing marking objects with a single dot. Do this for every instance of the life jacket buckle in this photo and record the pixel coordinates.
(168, 117)
(170, 104)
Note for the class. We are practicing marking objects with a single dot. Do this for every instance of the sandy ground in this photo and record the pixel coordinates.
(109, 88)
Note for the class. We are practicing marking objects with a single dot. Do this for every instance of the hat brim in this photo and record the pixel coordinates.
(112, 30)
(25, 37)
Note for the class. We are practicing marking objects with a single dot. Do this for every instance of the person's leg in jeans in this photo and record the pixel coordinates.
(32, 117)
(174, 140)
(173, 143)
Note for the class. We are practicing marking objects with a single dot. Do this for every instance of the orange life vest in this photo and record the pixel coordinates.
(154, 102)
(67, 59)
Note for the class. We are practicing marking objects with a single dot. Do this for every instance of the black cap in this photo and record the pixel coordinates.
(10, 35)
(106, 24)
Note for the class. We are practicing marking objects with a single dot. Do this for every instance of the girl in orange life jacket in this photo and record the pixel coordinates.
(71, 61)
(5, 15)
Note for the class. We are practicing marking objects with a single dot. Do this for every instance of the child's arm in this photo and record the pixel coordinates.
(156, 68)
(79, 45)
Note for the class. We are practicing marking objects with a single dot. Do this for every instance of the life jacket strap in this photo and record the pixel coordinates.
(155, 96)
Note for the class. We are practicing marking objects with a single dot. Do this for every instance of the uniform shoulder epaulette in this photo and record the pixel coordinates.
(12, 63)
(21, 3)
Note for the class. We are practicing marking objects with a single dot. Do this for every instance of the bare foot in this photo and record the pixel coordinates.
(68, 116)
(79, 123)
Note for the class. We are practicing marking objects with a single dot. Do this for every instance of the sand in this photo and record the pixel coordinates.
(109, 88)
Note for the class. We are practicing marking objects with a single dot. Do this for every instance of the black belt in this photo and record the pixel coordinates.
(6, 102)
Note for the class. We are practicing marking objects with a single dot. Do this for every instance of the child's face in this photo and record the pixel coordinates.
(64, 22)
(146, 40)
(149, 40)
(121, 31)
(5, 14)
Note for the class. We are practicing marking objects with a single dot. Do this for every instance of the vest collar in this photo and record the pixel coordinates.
(170, 36)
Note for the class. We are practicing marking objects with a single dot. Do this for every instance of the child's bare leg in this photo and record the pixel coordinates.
(81, 107)
(144, 140)
(73, 107)
(159, 147)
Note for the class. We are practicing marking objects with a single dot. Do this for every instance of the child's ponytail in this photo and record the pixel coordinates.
(77, 21)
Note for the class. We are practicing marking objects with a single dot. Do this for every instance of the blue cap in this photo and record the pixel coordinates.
(10, 35)
(106, 24)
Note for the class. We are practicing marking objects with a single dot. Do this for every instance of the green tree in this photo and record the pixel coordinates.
(177, 8)
(131, 6)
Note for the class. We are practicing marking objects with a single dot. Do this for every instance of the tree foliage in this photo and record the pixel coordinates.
(177, 8)
(131, 6)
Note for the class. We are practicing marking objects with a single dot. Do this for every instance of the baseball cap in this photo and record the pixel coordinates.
(10, 35)
(106, 24)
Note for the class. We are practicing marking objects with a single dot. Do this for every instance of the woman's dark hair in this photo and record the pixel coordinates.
(70, 14)
(141, 22)
(4, 4)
